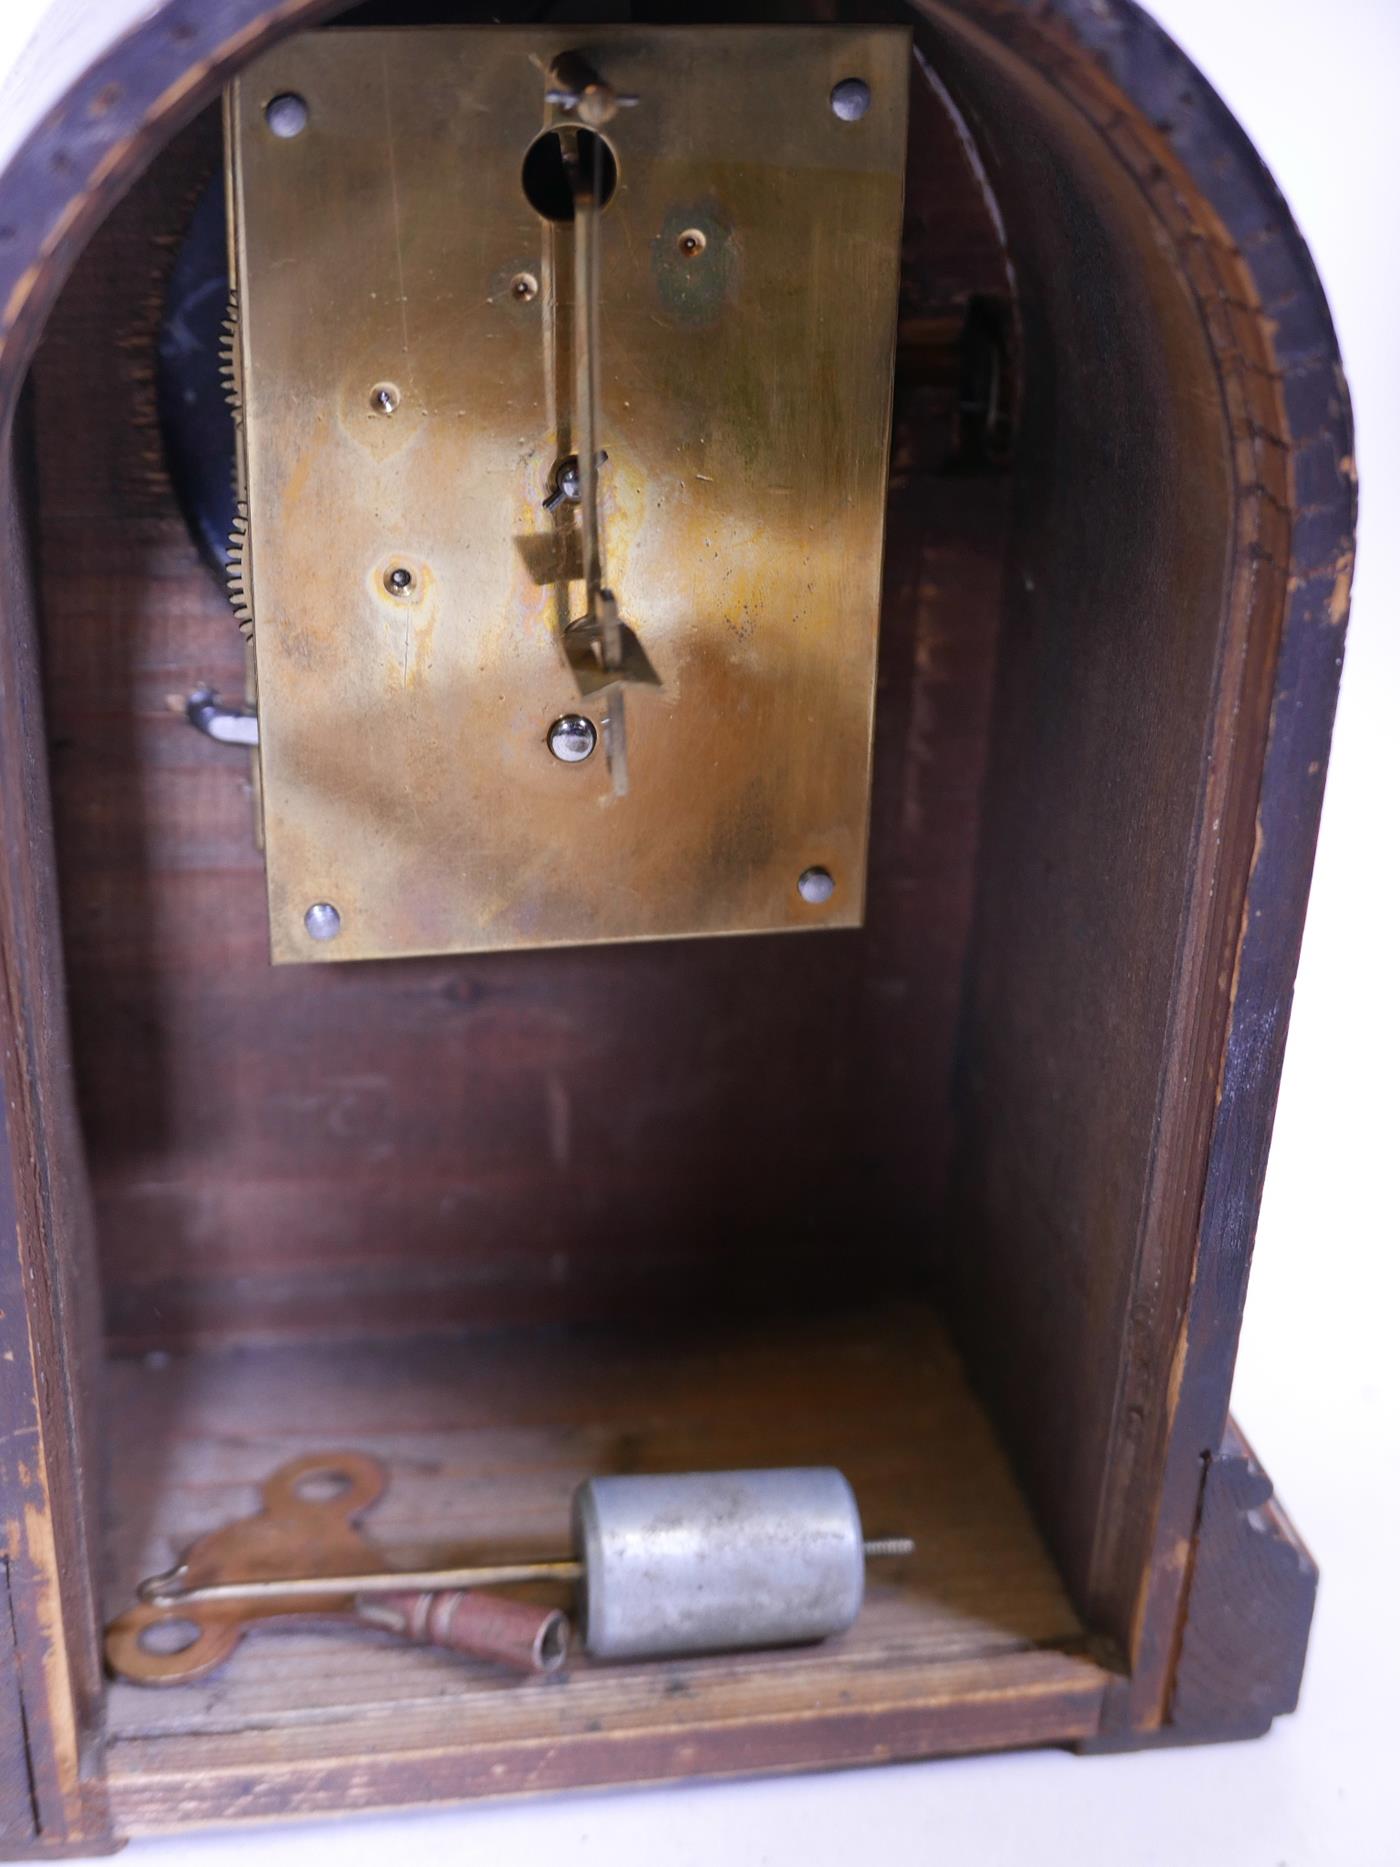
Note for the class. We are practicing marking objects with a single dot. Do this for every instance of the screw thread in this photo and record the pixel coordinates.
(888, 1546)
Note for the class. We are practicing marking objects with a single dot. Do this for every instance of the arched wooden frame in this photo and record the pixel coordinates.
(1185, 472)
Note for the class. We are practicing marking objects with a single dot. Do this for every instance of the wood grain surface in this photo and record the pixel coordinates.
(1097, 1049)
(970, 1644)
(1169, 658)
(1249, 1605)
(49, 1325)
(524, 1136)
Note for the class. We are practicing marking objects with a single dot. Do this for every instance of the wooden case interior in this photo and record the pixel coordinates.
(873, 1198)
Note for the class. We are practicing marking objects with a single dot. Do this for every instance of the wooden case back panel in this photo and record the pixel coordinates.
(523, 1136)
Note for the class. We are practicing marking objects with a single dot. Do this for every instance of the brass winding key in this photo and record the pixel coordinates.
(271, 1565)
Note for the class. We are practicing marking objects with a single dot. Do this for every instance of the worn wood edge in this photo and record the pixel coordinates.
(1251, 1585)
(1297, 485)
(1249, 1601)
(1267, 319)
(47, 1275)
(74, 164)
(1010, 1702)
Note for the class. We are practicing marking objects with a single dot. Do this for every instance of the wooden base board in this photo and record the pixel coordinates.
(970, 1645)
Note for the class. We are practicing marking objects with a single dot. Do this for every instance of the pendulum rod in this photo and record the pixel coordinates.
(586, 184)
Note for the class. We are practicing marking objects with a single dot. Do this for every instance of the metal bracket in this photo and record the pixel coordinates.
(231, 726)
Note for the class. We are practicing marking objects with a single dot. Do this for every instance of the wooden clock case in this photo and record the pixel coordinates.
(962, 1202)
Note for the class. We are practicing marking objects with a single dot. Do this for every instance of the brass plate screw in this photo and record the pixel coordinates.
(572, 738)
(851, 99)
(287, 114)
(322, 920)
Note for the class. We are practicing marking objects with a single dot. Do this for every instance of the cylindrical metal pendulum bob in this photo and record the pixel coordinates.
(709, 1561)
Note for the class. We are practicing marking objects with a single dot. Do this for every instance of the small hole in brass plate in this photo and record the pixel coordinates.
(524, 286)
(691, 244)
(383, 398)
(398, 580)
(545, 178)
(322, 1487)
(168, 1637)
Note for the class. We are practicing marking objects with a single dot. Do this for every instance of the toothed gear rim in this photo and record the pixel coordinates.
(197, 422)
(238, 570)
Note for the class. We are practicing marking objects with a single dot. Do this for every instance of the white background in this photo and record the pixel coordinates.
(1317, 85)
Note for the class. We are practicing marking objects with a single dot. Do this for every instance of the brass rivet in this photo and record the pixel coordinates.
(816, 886)
(383, 398)
(691, 243)
(524, 287)
(398, 580)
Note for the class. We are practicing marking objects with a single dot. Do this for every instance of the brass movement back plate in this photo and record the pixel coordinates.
(405, 333)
